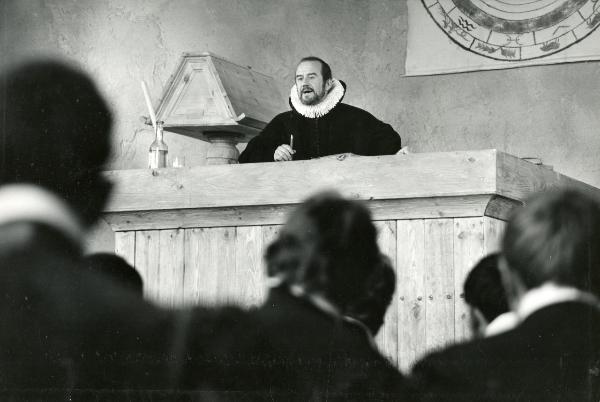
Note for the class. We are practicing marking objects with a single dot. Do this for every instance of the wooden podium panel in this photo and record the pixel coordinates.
(198, 235)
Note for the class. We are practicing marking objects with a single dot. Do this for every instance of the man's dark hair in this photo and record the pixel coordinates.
(328, 246)
(484, 290)
(116, 269)
(325, 69)
(54, 133)
(370, 309)
(556, 238)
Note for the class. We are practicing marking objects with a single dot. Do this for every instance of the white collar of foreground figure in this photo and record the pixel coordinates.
(29, 203)
(551, 293)
(330, 101)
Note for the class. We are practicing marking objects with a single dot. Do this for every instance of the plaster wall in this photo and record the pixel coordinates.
(550, 112)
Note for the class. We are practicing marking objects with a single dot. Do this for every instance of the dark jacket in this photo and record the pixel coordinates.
(67, 330)
(553, 355)
(344, 129)
(288, 350)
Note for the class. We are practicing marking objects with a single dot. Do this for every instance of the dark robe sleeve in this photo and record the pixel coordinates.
(385, 140)
(262, 147)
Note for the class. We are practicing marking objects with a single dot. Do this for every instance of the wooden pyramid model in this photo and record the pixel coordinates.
(215, 100)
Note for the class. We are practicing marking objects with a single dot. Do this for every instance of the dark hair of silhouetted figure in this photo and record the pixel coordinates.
(116, 269)
(483, 288)
(370, 309)
(54, 133)
(556, 238)
(328, 247)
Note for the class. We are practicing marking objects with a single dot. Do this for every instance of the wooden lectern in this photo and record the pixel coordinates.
(197, 235)
(215, 100)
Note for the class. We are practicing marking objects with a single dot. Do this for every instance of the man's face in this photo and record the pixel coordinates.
(309, 82)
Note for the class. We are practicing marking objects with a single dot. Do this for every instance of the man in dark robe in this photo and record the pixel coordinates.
(319, 124)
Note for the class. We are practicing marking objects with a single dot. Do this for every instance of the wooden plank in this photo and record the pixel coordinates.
(147, 259)
(223, 252)
(517, 179)
(493, 230)
(501, 207)
(424, 175)
(193, 275)
(439, 279)
(468, 250)
(387, 338)
(171, 265)
(125, 246)
(250, 276)
(208, 253)
(250, 92)
(410, 262)
(208, 93)
(255, 215)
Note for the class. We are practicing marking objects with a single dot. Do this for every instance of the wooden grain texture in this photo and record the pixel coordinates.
(172, 267)
(125, 246)
(250, 276)
(209, 93)
(493, 232)
(424, 175)
(468, 250)
(193, 275)
(147, 260)
(225, 265)
(446, 184)
(221, 257)
(439, 280)
(254, 215)
(387, 338)
(250, 92)
(410, 263)
(517, 179)
(501, 207)
(194, 96)
(211, 262)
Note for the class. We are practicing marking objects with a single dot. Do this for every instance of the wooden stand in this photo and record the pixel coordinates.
(222, 150)
(215, 100)
(198, 235)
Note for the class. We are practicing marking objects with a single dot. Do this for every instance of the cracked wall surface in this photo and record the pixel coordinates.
(550, 112)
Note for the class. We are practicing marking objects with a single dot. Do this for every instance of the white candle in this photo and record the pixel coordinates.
(149, 105)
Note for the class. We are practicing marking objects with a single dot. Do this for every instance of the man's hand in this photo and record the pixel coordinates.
(283, 153)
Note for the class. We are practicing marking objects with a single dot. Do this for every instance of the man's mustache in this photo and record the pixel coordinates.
(306, 89)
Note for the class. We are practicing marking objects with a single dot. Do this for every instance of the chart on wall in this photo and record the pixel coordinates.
(447, 36)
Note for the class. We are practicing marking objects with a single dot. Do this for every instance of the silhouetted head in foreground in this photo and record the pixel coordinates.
(54, 133)
(554, 239)
(370, 309)
(484, 293)
(328, 248)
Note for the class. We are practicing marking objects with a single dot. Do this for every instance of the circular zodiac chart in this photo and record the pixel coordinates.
(515, 30)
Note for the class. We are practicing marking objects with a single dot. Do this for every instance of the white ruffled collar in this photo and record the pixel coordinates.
(330, 101)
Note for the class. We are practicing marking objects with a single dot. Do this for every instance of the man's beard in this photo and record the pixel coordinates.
(312, 97)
